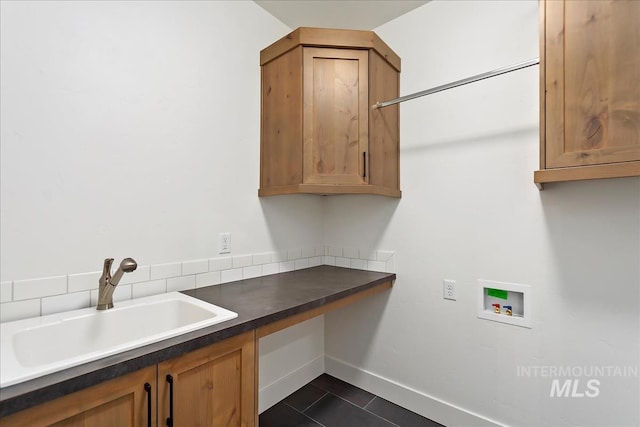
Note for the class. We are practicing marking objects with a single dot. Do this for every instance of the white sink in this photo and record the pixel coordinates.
(38, 346)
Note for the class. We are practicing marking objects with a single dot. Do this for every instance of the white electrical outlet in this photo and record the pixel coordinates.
(449, 289)
(224, 243)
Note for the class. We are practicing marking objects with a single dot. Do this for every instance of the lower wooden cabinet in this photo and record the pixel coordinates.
(213, 386)
(123, 402)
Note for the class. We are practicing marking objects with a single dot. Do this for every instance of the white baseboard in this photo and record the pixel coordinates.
(283, 387)
(413, 400)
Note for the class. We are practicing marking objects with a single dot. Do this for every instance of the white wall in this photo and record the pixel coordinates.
(470, 211)
(132, 129)
(289, 359)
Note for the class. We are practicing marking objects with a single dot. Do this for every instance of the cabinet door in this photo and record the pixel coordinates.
(592, 66)
(212, 387)
(335, 118)
(123, 401)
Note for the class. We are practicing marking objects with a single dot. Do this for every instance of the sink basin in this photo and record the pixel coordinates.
(38, 346)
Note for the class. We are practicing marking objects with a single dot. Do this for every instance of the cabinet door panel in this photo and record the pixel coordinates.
(210, 394)
(117, 412)
(119, 402)
(335, 122)
(213, 386)
(592, 82)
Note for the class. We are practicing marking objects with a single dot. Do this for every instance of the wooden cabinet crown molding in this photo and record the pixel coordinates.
(324, 37)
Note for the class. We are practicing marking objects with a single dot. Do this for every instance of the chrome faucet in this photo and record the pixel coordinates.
(107, 284)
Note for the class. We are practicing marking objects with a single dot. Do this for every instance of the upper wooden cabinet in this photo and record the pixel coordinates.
(318, 132)
(590, 90)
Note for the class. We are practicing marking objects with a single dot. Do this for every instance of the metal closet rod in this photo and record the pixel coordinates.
(457, 83)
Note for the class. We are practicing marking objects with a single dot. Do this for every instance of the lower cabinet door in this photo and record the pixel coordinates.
(211, 387)
(126, 401)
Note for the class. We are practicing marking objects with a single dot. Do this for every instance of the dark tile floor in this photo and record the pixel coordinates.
(330, 402)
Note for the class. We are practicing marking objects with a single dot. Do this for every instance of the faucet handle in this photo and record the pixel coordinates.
(106, 269)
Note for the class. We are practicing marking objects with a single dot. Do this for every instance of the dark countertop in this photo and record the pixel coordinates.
(257, 301)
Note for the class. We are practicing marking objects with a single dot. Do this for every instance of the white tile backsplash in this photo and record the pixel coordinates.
(384, 256)
(122, 293)
(6, 291)
(251, 272)
(67, 302)
(21, 299)
(39, 288)
(377, 266)
(359, 264)
(232, 275)
(217, 264)
(279, 256)
(299, 264)
(315, 261)
(287, 266)
(164, 271)
(141, 274)
(242, 261)
(272, 268)
(391, 264)
(329, 260)
(263, 258)
(333, 251)
(343, 262)
(83, 281)
(145, 289)
(17, 310)
(195, 267)
(207, 279)
(181, 283)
